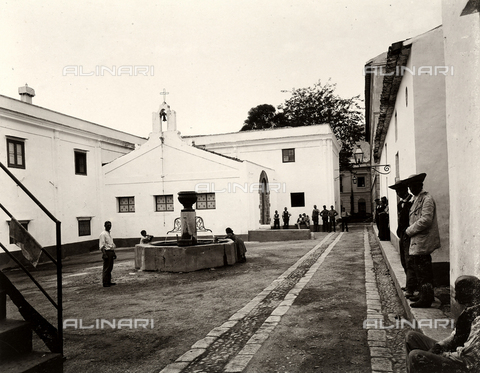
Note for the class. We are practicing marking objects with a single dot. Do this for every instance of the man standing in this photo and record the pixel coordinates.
(286, 218)
(276, 220)
(378, 208)
(424, 239)
(403, 212)
(315, 215)
(331, 216)
(324, 215)
(107, 247)
(345, 218)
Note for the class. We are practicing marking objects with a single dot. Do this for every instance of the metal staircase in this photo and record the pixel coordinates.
(16, 345)
(16, 354)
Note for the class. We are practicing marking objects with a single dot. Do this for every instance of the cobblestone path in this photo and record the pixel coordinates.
(392, 310)
(230, 347)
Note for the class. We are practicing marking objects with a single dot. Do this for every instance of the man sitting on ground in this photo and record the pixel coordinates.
(460, 352)
(239, 245)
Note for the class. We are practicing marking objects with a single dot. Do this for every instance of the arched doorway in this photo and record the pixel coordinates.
(264, 194)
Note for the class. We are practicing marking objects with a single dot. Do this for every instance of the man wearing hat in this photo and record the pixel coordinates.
(424, 238)
(403, 212)
(459, 352)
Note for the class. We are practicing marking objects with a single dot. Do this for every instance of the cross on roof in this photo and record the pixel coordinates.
(164, 93)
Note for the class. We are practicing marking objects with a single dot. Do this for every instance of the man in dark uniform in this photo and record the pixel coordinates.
(324, 215)
(378, 208)
(315, 215)
(286, 218)
(403, 212)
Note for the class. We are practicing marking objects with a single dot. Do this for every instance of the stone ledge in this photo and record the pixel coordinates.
(150, 257)
(272, 235)
(392, 259)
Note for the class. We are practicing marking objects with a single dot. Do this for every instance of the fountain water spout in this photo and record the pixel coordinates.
(188, 218)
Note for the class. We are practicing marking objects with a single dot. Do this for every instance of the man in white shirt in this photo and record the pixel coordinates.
(107, 246)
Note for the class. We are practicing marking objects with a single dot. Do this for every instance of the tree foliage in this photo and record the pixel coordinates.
(316, 105)
(263, 116)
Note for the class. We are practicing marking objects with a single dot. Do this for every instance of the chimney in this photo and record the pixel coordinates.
(26, 93)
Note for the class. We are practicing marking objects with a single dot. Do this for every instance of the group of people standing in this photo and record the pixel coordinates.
(328, 219)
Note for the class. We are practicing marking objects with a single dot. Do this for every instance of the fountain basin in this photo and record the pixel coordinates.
(168, 257)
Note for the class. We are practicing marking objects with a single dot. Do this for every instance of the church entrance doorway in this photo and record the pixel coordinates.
(264, 195)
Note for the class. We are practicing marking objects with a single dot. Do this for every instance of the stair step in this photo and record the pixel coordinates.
(33, 362)
(3, 304)
(15, 338)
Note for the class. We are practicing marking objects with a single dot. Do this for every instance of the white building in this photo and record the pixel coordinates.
(409, 131)
(461, 23)
(242, 177)
(85, 173)
(59, 159)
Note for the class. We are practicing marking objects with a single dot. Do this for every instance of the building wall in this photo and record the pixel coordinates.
(430, 130)
(169, 165)
(50, 141)
(374, 90)
(315, 171)
(398, 149)
(462, 52)
(416, 137)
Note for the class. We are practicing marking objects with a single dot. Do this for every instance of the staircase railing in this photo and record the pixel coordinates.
(55, 346)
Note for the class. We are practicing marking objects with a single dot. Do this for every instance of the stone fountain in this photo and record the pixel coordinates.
(187, 253)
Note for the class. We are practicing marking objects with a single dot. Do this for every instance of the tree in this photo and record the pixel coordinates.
(263, 116)
(320, 105)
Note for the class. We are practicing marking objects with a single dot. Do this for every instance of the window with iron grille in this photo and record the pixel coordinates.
(288, 155)
(206, 201)
(24, 224)
(84, 227)
(126, 204)
(164, 203)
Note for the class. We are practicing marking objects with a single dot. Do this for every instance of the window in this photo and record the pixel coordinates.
(361, 181)
(16, 153)
(164, 203)
(84, 226)
(80, 162)
(406, 96)
(126, 204)
(206, 201)
(297, 199)
(24, 224)
(288, 155)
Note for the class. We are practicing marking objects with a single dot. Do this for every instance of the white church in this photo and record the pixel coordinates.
(85, 174)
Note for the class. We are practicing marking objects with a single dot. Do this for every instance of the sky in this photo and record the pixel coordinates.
(217, 59)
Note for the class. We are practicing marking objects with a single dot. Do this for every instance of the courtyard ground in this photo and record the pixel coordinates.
(322, 331)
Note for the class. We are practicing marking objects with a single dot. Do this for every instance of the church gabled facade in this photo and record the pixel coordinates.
(241, 178)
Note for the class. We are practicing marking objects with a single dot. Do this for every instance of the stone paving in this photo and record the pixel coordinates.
(231, 346)
(381, 287)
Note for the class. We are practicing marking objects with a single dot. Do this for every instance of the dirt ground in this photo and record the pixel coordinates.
(184, 307)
